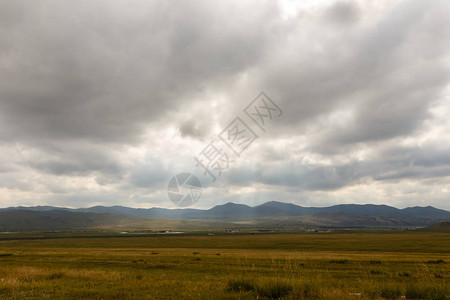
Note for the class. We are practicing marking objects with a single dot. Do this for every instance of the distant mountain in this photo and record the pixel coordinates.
(231, 211)
(284, 209)
(439, 227)
(22, 219)
(29, 220)
(425, 212)
(344, 214)
(364, 210)
(37, 208)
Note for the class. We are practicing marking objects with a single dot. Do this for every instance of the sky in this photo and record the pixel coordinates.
(103, 102)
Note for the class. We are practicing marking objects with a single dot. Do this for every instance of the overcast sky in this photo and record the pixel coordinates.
(102, 102)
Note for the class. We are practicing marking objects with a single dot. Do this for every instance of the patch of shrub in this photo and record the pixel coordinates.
(375, 262)
(54, 276)
(429, 293)
(376, 272)
(160, 267)
(240, 285)
(5, 290)
(339, 261)
(391, 292)
(440, 261)
(310, 291)
(274, 289)
(404, 274)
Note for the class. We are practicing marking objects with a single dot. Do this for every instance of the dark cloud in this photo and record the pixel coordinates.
(343, 12)
(191, 128)
(77, 160)
(391, 163)
(105, 93)
(381, 73)
(102, 71)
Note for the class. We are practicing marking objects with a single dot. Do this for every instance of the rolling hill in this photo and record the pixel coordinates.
(232, 211)
(28, 220)
(439, 227)
(277, 214)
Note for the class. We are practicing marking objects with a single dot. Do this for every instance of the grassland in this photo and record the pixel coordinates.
(410, 265)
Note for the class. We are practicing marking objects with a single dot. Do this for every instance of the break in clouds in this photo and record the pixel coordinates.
(101, 102)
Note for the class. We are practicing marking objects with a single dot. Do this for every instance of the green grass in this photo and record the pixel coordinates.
(285, 266)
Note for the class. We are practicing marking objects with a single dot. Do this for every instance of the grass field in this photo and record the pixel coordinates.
(409, 265)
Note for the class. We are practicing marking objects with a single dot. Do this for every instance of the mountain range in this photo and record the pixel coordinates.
(270, 214)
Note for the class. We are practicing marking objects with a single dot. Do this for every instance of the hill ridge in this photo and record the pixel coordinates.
(271, 209)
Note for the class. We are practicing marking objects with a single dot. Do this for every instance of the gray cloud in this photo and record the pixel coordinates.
(149, 173)
(77, 161)
(191, 128)
(391, 163)
(107, 93)
(72, 73)
(343, 12)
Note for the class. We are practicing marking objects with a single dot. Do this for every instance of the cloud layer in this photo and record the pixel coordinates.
(102, 102)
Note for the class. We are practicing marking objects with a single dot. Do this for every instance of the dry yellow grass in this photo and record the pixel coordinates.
(215, 267)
